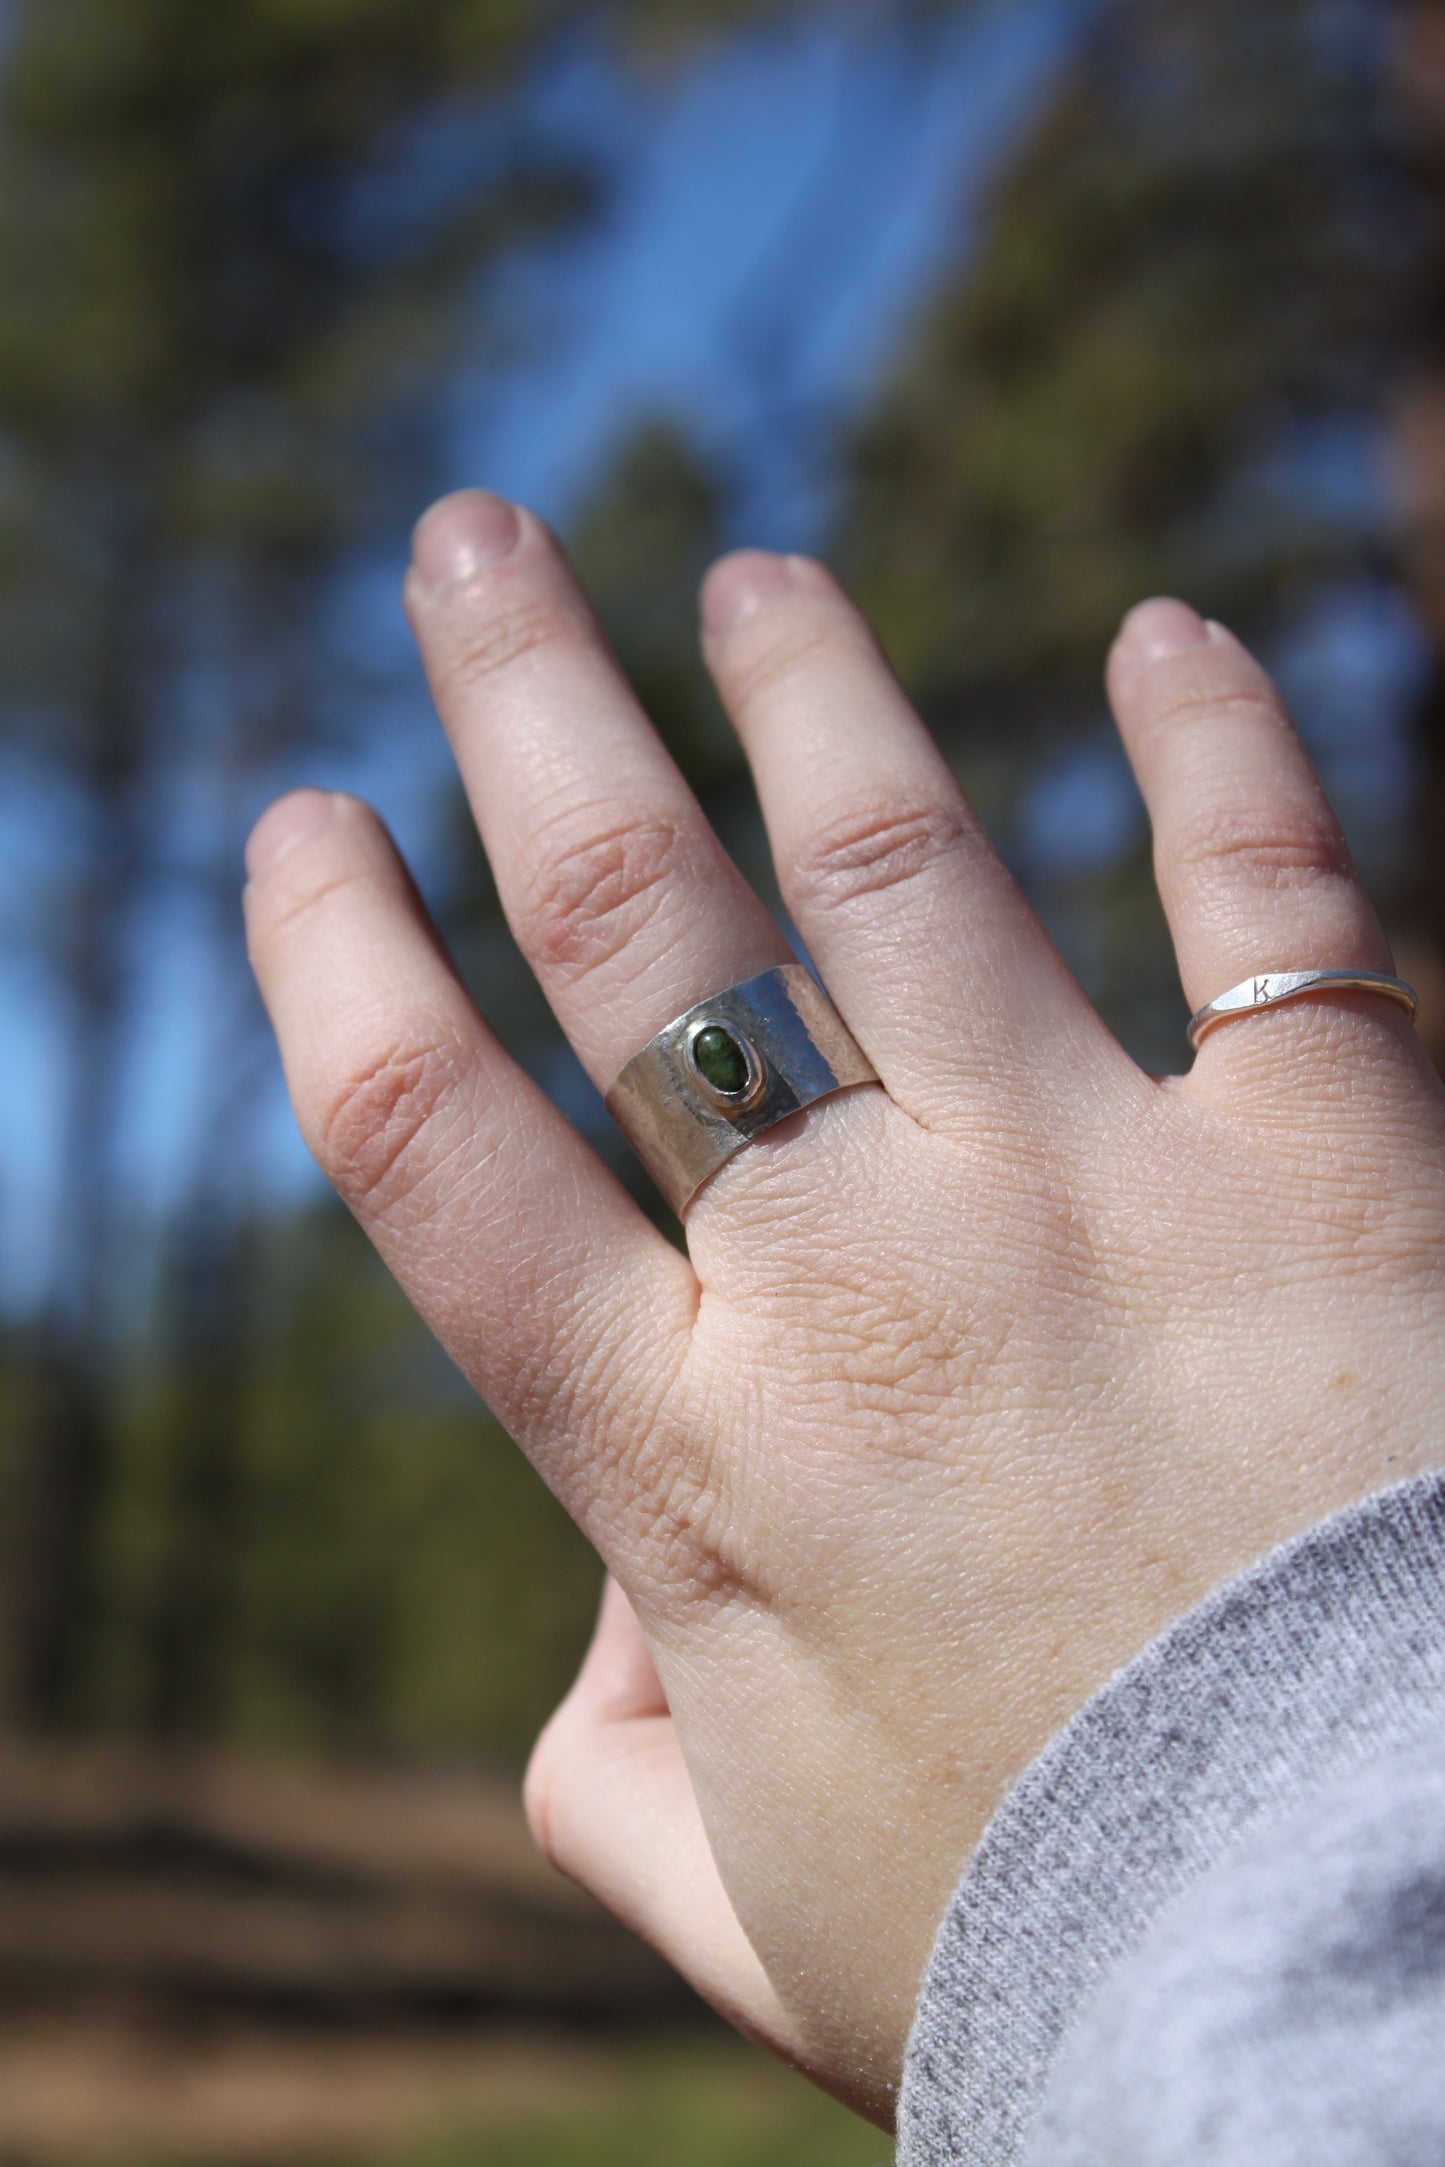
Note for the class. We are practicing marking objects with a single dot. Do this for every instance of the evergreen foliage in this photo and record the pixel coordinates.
(247, 253)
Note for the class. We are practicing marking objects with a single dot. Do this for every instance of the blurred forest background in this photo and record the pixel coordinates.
(1016, 313)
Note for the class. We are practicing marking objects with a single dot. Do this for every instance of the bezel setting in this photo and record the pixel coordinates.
(781, 1029)
(755, 1087)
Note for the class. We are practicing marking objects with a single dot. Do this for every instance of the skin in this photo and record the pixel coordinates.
(968, 1384)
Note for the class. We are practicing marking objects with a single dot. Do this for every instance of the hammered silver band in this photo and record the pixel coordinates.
(726, 1070)
(1269, 988)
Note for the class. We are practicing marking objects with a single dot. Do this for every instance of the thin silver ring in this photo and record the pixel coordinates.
(776, 1044)
(1268, 989)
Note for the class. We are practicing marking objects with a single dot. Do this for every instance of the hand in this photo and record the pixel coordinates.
(968, 1384)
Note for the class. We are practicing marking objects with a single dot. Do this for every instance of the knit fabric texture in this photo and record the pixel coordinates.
(1236, 1827)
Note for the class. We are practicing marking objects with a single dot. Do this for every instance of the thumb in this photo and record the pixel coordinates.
(611, 1804)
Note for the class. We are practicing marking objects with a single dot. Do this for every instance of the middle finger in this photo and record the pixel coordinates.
(620, 895)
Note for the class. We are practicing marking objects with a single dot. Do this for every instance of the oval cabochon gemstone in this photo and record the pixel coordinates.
(720, 1060)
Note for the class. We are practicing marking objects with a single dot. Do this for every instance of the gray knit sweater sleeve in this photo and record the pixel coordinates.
(1207, 1927)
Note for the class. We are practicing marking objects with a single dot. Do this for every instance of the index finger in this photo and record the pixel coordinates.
(564, 1306)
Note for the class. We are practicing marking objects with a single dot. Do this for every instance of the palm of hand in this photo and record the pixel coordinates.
(969, 1385)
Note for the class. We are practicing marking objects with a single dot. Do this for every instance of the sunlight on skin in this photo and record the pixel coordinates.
(968, 1384)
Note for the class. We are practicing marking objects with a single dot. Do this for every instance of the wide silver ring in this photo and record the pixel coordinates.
(1269, 988)
(727, 1070)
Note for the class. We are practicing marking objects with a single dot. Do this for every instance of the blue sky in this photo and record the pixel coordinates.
(846, 160)
(849, 148)
(778, 214)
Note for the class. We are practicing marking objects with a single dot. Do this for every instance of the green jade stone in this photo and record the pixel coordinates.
(720, 1060)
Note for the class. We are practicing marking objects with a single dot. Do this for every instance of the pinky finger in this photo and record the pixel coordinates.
(1253, 870)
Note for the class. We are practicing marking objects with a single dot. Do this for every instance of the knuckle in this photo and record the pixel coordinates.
(596, 878)
(350, 852)
(867, 851)
(688, 1526)
(497, 631)
(373, 1124)
(286, 904)
(1270, 853)
(1202, 706)
(783, 654)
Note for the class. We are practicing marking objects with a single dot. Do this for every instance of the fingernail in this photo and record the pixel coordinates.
(289, 821)
(1158, 628)
(462, 535)
(740, 585)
